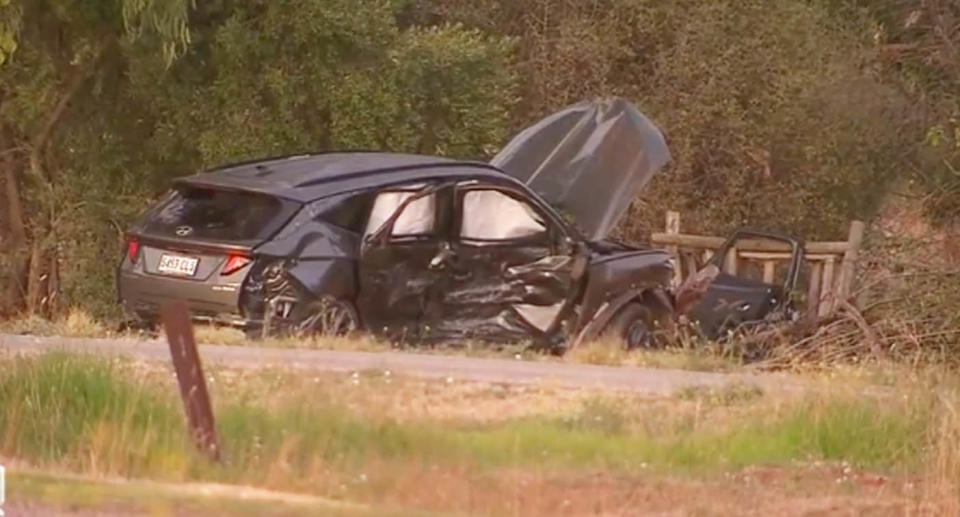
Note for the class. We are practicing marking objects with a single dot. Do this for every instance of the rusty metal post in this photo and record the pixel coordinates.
(193, 386)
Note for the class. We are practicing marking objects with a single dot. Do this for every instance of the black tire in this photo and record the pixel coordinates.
(328, 316)
(253, 333)
(140, 323)
(325, 316)
(632, 324)
(290, 310)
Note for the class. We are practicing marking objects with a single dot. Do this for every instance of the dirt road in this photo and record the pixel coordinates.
(650, 381)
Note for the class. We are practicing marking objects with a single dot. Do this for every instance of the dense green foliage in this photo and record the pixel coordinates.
(252, 79)
(789, 114)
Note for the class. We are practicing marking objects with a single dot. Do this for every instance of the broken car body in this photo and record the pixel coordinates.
(416, 248)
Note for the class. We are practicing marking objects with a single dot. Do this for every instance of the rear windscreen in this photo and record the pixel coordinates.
(218, 215)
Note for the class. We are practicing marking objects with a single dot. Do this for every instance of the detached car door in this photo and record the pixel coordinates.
(748, 291)
(399, 292)
(511, 272)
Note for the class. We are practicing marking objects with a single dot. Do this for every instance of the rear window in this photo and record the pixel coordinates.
(218, 215)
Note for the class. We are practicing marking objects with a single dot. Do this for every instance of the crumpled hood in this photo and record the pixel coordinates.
(589, 160)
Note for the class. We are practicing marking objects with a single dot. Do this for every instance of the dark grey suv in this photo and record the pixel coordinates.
(417, 248)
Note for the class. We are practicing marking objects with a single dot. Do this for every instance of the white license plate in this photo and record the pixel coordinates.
(178, 265)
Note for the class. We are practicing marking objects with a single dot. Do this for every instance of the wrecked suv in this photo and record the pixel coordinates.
(417, 248)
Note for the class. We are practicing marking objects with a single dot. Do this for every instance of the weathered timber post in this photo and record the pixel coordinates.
(769, 271)
(193, 386)
(730, 266)
(673, 228)
(814, 294)
(690, 262)
(848, 268)
(828, 293)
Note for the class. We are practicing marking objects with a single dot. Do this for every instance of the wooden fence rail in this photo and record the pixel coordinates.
(830, 266)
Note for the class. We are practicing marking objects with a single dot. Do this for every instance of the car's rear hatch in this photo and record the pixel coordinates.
(214, 219)
(197, 244)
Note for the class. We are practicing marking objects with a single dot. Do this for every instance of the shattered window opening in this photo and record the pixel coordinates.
(492, 215)
(349, 212)
(218, 214)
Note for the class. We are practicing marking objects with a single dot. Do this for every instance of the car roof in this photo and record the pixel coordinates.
(307, 177)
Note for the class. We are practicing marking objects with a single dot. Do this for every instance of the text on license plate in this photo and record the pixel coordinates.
(178, 265)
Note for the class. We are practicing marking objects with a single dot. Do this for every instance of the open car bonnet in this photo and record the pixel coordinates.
(589, 160)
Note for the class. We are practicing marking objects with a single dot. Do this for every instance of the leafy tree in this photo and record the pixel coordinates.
(144, 100)
(55, 55)
(769, 106)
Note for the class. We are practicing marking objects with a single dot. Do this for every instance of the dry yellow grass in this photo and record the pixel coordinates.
(610, 352)
(76, 322)
(940, 491)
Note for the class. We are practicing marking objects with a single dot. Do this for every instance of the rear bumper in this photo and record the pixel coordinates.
(144, 294)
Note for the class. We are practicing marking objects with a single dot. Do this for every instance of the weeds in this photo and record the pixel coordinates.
(728, 395)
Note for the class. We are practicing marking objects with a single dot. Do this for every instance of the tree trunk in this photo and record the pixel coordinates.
(43, 262)
(14, 248)
(35, 277)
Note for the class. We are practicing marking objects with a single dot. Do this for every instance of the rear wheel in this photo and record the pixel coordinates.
(140, 323)
(305, 315)
(632, 324)
(328, 316)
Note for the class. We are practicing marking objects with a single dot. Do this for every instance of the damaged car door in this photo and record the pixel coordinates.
(753, 286)
(399, 293)
(511, 271)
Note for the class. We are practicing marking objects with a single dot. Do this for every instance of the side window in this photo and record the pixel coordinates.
(491, 215)
(417, 218)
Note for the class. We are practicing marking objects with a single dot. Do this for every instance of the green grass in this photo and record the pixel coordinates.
(90, 415)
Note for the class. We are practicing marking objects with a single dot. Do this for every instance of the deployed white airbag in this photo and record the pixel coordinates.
(417, 218)
(491, 215)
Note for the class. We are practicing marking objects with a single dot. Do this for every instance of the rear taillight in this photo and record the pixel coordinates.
(235, 263)
(133, 250)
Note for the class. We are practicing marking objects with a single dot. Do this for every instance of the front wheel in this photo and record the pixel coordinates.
(632, 324)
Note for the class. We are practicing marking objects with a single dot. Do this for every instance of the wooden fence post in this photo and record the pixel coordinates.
(673, 227)
(848, 268)
(828, 293)
(769, 271)
(731, 261)
(813, 292)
